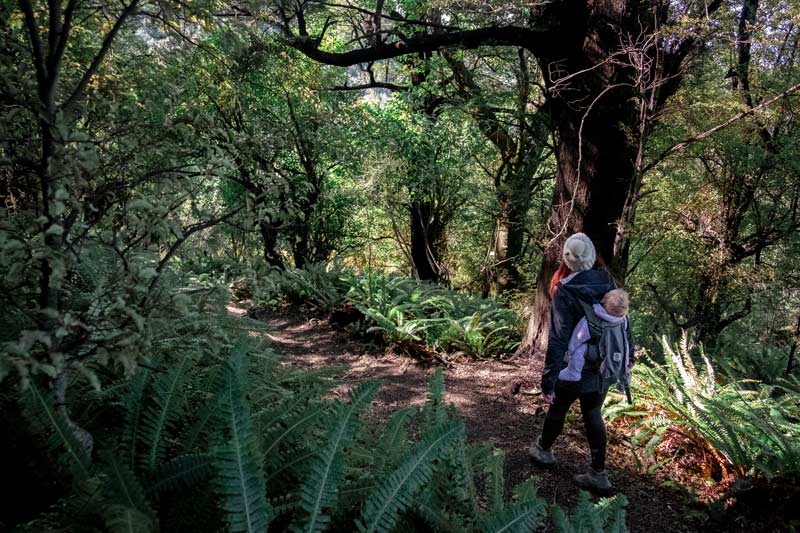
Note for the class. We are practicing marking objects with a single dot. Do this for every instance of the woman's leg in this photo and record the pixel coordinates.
(591, 406)
(566, 392)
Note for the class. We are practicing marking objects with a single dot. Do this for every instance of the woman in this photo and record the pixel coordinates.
(576, 278)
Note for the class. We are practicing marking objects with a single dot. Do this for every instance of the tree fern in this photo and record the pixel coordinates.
(162, 411)
(395, 494)
(239, 479)
(318, 493)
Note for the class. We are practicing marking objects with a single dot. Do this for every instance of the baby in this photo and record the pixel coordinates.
(613, 308)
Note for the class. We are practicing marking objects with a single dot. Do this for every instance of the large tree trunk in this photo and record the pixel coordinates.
(597, 128)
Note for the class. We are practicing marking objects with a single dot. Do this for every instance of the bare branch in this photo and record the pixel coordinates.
(699, 137)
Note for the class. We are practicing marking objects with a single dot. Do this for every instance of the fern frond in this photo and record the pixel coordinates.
(525, 514)
(48, 420)
(134, 404)
(162, 411)
(318, 493)
(396, 493)
(180, 473)
(239, 480)
(292, 429)
(128, 509)
(433, 412)
(121, 519)
(393, 441)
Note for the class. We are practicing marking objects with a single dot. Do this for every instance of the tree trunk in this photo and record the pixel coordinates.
(595, 167)
(269, 236)
(300, 249)
(510, 236)
(427, 241)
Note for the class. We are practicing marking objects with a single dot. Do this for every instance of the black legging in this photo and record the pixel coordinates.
(591, 404)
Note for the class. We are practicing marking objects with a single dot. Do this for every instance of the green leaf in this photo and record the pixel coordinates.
(319, 491)
(239, 480)
(382, 508)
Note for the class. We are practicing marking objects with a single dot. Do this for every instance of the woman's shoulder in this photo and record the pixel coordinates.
(595, 276)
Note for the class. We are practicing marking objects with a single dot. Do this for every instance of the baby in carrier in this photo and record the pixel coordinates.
(614, 309)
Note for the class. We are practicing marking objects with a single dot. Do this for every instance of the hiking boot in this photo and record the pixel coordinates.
(540, 455)
(594, 481)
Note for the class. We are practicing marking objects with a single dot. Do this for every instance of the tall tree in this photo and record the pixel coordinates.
(609, 70)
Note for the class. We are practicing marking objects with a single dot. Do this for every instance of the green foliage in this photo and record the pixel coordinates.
(239, 479)
(608, 515)
(48, 420)
(747, 427)
(318, 493)
(524, 514)
(126, 506)
(314, 286)
(396, 493)
(399, 310)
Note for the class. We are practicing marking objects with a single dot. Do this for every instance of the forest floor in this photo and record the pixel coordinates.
(500, 404)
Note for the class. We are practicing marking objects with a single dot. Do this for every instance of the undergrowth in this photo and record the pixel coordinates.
(242, 443)
(400, 311)
(744, 428)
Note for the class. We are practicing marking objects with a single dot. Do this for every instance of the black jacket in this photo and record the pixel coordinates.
(565, 313)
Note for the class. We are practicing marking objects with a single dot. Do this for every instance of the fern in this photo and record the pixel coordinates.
(393, 442)
(127, 509)
(46, 419)
(434, 413)
(606, 516)
(239, 479)
(134, 405)
(318, 493)
(525, 514)
(292, 428)
(395, 494)
(739, 424)
(166, 402)
(493, 469)
(180, 473)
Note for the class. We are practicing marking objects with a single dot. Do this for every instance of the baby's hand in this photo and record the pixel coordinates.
(548, 398)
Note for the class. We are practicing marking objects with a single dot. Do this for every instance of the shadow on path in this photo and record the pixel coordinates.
(500, 404)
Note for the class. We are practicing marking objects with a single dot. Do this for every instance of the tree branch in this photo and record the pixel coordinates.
(36, 41)
(101, 54)
(699, 137)
(421, 42)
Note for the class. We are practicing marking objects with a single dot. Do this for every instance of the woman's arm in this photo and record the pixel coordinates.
(563, 319)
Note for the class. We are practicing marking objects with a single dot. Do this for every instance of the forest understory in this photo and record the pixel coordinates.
(292, 265)
(501, 403)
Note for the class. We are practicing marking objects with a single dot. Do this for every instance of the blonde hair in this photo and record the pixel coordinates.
(616, 302)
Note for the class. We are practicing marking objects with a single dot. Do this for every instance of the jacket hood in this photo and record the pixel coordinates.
(590, 285)
(601, 312)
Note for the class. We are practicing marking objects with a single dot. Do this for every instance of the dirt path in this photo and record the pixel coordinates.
(499, 404)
